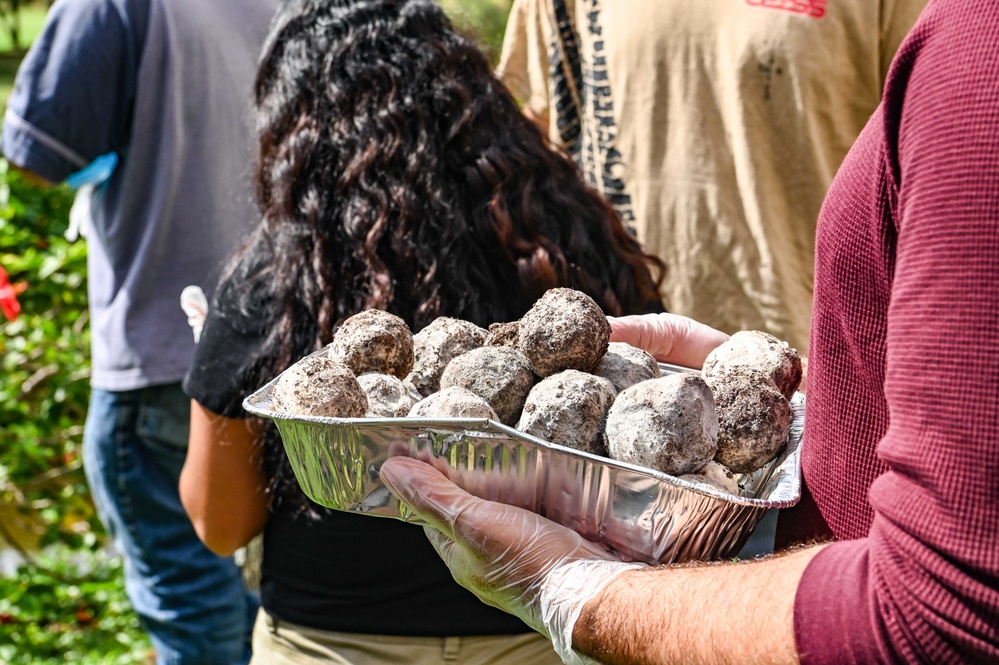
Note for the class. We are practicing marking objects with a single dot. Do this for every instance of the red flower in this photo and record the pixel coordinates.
(8, 296)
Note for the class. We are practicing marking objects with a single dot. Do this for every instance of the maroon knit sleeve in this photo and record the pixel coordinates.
(923, 586)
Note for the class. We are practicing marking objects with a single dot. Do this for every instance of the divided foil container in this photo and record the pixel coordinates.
(639, 513)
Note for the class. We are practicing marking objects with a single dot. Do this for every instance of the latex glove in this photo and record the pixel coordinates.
(670, 338)
(195, 306)
(510, 558)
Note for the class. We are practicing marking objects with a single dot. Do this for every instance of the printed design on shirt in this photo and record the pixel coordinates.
(810, 8)
(566, 75)
(578, 86)
(770, 69)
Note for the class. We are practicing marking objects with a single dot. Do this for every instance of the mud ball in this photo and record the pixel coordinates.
(503, 334)
(570, 409)
(374, 341)
(436, 345)
(715, 475)
(625, 365)
(388, 396)
(319, 385)
(668, 424)
(754, 419)
(565, 329)
(498, 374)
(453, 402)
(760, 355)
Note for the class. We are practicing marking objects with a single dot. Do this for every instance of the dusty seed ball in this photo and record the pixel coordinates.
(570, 409)
(374, 341)
(565, 329)
(318, 385)
(498, 374)
(453, 402)
(625, 365)
(503, 334)
(753, 353)
(667, 424)
(388, 396)
(715, 475)
(434, 347)
(753, 421)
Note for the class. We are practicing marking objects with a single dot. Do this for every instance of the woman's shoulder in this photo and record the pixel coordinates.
(230, 357)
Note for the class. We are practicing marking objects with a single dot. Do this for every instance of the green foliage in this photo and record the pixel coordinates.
(483, 21)
(29, 18)
(45, 361)
(20, 23)
(67, 605)
(70, 609)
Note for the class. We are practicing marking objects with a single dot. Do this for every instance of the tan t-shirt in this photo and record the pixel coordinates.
(714, 127)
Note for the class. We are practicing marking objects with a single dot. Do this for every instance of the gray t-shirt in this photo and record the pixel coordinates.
(167, 86)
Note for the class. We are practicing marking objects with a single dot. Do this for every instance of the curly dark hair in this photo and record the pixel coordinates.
(396, 172)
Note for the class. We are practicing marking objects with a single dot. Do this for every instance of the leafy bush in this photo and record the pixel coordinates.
(66, 605)
(45, 354)
(483, 21)
(70, 609)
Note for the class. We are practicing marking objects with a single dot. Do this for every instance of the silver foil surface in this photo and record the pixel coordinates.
(639, 513)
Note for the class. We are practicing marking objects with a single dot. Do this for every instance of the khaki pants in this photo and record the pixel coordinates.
(280, 643)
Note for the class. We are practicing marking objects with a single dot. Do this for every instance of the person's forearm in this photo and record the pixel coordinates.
(222, 482)
(717, 614)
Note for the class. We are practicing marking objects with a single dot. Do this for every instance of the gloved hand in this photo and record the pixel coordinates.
(510, 558)
(195, 304)
(670, 338)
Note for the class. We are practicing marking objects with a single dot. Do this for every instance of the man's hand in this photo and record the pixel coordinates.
(670, 338)
(510, 558)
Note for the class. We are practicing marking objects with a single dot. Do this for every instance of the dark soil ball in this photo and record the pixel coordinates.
(757, 355)
(498, 374)
(453, 402)
(388, 396)
(754, 419)
(436, 345)
(319, 385)
(625, 365)
(668, 424)
(570, 409)
(504, 334)
(565, 329)
(374, 341)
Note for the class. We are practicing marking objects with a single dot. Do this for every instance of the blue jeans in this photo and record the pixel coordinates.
(192, 602)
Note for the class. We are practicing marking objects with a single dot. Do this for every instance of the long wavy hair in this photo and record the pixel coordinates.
(396, 172)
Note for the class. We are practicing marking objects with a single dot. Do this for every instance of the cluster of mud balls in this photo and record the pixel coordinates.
(731, 419)
(555, 375)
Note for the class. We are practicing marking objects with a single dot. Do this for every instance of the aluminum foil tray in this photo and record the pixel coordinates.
(639, 513)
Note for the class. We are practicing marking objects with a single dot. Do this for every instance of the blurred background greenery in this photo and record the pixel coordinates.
(61, 593)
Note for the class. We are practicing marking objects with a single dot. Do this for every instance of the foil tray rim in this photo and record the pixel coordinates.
(484, 426)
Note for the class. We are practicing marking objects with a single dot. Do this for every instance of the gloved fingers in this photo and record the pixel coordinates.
(668, 337)
(426, 490)
(508, 557)
(495, 531)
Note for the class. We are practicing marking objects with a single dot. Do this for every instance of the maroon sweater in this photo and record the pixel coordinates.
(901, 454)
